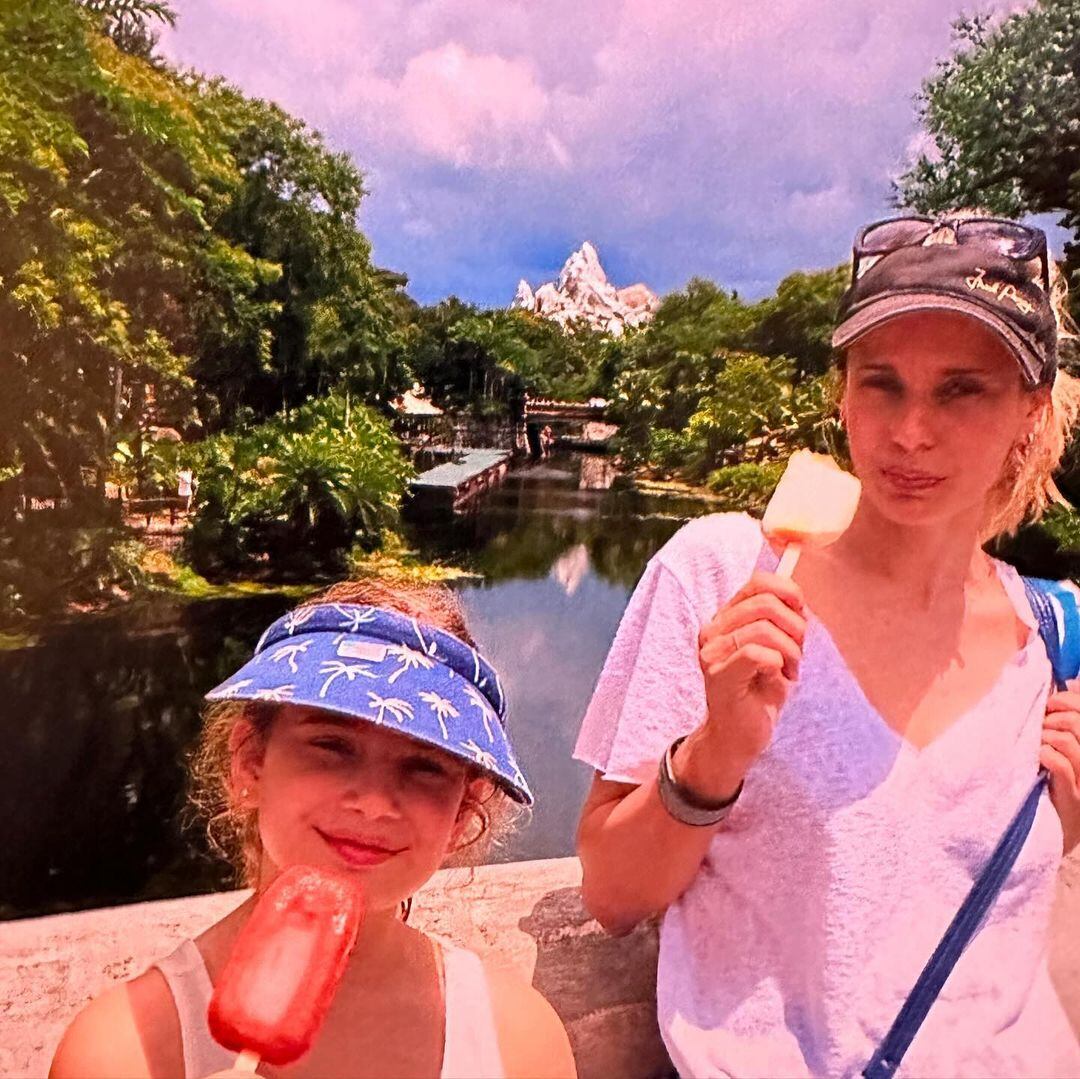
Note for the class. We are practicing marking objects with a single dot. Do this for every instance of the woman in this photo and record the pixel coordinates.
(850, 745)
(366, 734)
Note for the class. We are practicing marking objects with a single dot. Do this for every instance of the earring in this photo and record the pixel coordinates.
(244, 792)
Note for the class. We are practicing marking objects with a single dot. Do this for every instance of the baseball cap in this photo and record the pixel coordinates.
(988, 269)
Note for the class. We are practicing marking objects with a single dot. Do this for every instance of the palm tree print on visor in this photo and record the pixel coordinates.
(383, 667)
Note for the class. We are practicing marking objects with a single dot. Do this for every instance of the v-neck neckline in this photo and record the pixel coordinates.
(1013, 587)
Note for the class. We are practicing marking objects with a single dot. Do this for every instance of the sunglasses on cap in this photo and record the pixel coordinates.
(1011, 239)
(984, 268)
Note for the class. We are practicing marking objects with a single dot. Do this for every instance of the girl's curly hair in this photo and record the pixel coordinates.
(233, 828)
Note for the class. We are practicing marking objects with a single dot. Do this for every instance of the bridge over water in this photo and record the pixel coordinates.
(580, 425)
(544, 410)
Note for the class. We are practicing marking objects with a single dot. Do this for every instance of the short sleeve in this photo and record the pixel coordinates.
(651, 689)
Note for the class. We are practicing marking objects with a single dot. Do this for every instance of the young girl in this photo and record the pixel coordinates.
(366, 734)
(814, 771)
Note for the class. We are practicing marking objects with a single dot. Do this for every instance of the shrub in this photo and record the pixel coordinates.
(667, 449)
(298, 492)
(746, 486)
(51, 560)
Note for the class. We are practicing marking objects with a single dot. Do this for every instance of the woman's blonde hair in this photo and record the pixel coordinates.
(1026, 487)
(233, 828)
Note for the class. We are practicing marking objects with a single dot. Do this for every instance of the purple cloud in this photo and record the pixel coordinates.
(681, 136)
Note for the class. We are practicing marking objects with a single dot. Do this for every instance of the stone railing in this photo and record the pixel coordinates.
(526, 916)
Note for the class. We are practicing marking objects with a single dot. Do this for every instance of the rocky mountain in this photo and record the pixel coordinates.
(584, 292)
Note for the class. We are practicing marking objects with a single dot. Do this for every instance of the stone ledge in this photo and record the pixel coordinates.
(517, 916)
(526, 916)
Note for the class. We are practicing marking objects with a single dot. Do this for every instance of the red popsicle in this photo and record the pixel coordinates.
(276, 988)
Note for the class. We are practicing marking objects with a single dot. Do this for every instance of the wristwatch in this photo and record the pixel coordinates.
(683, 804)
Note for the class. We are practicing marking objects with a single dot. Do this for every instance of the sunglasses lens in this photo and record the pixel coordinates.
(890, 235)
(1007, 238)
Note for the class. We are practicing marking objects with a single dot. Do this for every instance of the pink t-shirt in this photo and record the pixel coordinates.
(845, 858)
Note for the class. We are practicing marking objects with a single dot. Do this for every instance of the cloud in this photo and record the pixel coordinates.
(683, 137)
(469, 109)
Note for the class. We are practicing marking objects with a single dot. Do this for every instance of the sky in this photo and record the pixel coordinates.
(735, 141)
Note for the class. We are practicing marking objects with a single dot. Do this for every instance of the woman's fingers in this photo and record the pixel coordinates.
(1065, 701)
(1062, 730)
(1067, 722)
(1063, 778)
(784, 652)
(784, 588)
(762, 670)
(1060, 756)
(763, 606)
(1067, 744)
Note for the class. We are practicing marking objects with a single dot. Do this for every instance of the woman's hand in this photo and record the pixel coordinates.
(1060, 756)
(750, 655)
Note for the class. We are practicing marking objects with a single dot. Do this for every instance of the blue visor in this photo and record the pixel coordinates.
(386, 668)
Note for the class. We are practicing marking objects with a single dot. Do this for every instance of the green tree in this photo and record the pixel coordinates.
(130, 22)
(327, 317)
(105, 180)
(798, 321)
(466, 357)
(170, 248)
(684, 348)
(746, 402)
(1003, 114)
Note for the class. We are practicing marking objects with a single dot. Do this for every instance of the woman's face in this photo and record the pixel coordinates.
(933, 406)
(331, 791)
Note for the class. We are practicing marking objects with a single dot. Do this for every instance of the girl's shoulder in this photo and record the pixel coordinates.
(129, 1030)
(532, 1040)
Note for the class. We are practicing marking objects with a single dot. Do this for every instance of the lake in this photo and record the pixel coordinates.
(99, 714)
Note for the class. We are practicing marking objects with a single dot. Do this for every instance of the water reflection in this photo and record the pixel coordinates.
(540, 512)
(102, 711)
(100, 715)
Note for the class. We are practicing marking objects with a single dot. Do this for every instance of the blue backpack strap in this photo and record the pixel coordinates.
(1059, 625)
(963, 927)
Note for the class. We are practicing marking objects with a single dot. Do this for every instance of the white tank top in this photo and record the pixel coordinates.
(470, 1044)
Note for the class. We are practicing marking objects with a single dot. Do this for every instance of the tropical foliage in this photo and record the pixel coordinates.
(173, 253)
(467, 356)
(177, 254)
(714, 380)
(296, 493)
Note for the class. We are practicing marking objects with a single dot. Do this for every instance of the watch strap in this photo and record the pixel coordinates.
(683, 804)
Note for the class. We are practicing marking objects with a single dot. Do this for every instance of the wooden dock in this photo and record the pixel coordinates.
(448, 487)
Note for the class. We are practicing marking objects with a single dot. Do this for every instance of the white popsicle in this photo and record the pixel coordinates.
(813, 504)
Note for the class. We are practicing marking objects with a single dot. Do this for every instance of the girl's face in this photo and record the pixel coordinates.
(933, 406)
(332, 791)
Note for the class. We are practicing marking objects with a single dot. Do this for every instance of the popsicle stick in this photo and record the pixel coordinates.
(247, 1061)
(789, 559)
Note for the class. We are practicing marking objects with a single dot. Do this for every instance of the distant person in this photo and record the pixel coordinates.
(547, 440)
(366, 735)
(804, 777)
(186, 487)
